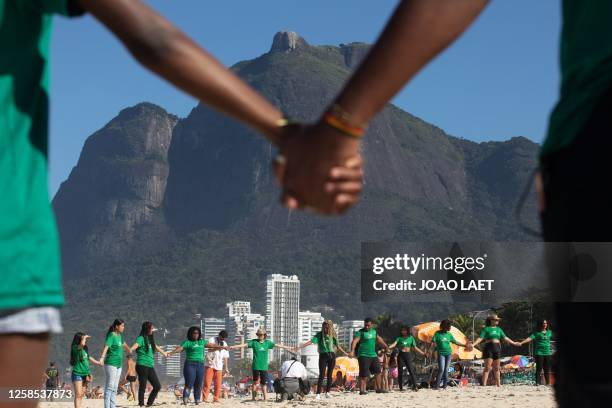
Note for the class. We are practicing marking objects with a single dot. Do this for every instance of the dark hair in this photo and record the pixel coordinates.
(76, 340)
(445, 325)
(489, 320)
(541, 324)
(368, 320)
(149, 341)
(407, 328)
(113, 327)
(51, 363)
(223, 334)
(191, 330)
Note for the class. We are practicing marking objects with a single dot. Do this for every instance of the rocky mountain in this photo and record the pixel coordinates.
(171, 217)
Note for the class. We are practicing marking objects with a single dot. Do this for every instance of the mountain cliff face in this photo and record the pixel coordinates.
(189, 207)
(113, 196)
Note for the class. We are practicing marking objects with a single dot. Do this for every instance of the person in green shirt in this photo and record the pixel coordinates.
(145, 348)
(112, 355)
(79, 360)
(261, 346)
(492, 335)
(193, 369)
(442, 340)
(405, 343)
(367, 338)
(542, 351)
(31, 290)
(327, 343)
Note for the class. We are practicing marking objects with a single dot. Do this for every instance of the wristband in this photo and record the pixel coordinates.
(341, 120)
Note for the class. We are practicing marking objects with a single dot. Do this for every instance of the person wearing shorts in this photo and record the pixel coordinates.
(492, 335)
(260, 346)
(367, 338)
(79, 360)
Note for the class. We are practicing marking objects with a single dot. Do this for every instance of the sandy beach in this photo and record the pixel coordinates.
(523, 396)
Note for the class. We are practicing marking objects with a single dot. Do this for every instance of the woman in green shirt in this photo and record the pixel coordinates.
(405, 343)
(260, 346)
(442, 339)
(193, 369)
(79, 360)
(145, 364)
(542, 352)
(112, 355)
(327, 342)
(492, 335)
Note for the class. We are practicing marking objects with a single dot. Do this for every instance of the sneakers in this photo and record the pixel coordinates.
(318, 397)
(327, 395)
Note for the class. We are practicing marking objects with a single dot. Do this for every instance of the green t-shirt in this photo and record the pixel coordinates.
(114, 355)
(194, 350)
(443, 341)
(144, 353)
(326, 343)
(260, 353)
(586, 69)
(81, 361)
(29, 248)
(492, 333)
(541, 343)
(367, 342)
(405, 342)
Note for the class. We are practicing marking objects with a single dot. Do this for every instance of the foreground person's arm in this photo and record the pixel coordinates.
(417, 32)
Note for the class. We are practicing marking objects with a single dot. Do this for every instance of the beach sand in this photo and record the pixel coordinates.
(522, 396)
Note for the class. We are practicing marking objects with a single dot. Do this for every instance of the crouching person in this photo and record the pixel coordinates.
(293, 381)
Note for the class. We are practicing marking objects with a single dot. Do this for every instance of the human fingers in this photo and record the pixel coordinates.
(348, 187)
(344, 173)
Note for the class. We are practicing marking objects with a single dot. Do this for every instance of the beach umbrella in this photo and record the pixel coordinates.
(348, 366)
(426, 331)
(520, 361)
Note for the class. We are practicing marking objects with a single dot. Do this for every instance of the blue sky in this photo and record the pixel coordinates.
(498, 81)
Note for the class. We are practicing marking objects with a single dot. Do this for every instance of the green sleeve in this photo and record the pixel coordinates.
(435, 337)
(503, 335)
(452, 338)
(412, 342)
(335, 341)
(271, 344)
(532, 337)
(140, 341)
(357, 334)
(204, 342)
(315, 339)
(185, 344)
(483, 333)
(109, 340)
(250, 344)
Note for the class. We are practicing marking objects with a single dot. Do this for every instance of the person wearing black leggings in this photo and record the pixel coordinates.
(542, 352)
(145, 349)
(327, 343)
(405, 343)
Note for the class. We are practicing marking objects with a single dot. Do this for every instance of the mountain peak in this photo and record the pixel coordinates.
(287, 41)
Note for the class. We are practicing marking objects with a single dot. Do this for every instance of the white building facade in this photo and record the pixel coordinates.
(282, 311)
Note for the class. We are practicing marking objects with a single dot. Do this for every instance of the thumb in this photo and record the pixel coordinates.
(289, 200)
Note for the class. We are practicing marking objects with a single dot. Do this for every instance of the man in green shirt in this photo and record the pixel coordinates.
(261, 346)
(367, 339)
(31, 290)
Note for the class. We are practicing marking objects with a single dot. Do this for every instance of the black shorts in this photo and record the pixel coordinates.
(261, 376)
(368, 365)
(131, 378)
(492, 350)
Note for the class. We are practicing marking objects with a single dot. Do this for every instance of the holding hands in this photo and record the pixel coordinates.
(319, 169)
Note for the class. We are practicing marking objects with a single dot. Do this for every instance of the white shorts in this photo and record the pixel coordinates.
(31, 321)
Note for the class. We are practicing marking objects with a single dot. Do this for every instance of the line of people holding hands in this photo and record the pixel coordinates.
(199, 376)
